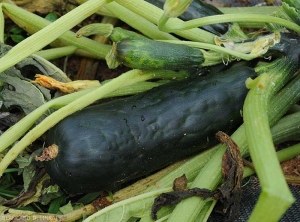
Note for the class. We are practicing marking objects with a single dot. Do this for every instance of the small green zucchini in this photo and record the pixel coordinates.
(142, 53)
(105, 145)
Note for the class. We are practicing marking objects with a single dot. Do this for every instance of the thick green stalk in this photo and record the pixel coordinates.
(186, 210)
(275, 192)
(225, 53)
(286, 128)
(209, 177)
(138, 22)
(32, 23)
(162, 21)
(56, 53)
(2, 31)
(282, 155)
(264, 10)
(153, 14)
(45, 36)
(173, 27)
(190, 168)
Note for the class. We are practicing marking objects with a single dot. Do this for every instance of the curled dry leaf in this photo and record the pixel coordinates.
(232, 169)
(27, 197)
(49, 153)
(68, 87)
(180, 183)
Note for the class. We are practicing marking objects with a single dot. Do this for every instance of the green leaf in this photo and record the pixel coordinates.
(8, 194)
(66, 208)
(16, 30)
(56, 204)
(23, 161)
(24, 94)
(88, 198)
(17, 38)
(51, 17)
(6, 181)
(49, 194)
(28, 175)
(27, 168)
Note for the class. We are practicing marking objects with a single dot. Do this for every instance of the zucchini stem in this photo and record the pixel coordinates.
(45, 36)
(153, 14)
(137, 21)
(246, 51)
(230, 18)
(275, 192)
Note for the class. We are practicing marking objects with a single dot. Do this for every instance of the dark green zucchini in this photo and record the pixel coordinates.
(288, 46)
(142, 53)
(106, 145)
(199, 9)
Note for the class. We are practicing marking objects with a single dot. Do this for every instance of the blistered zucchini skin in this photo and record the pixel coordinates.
(106, 145)
(139, 53)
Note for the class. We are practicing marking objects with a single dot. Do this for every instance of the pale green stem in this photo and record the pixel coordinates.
(138, 22)
(101, 11)
(106, 214)
(190, 168)
(55, 53)
(286, 129)
(153, 14)
(275, 192)
(283, 155)
(162, 21)
(187, 210)
(264, 10)
(172, 27)
(224, 52)
(49, 33)
(1, 26)
(32, 23)
(206, 211)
